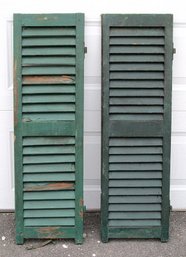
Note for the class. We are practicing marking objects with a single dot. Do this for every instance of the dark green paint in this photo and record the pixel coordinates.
(136, 128)
(18, 133)
(48, 104)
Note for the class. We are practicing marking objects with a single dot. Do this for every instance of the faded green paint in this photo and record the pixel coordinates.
(136, 125)
(48, 104)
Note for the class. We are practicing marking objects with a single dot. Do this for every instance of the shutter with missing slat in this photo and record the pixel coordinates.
(136, 111)
(49, 53)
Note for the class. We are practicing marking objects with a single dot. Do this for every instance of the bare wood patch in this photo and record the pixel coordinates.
(63, 79)
(50, 232)
(50, 187)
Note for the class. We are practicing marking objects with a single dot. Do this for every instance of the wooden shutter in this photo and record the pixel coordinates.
(48, 101)
(136, 125)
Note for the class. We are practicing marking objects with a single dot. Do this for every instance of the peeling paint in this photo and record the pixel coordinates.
(50, 187)
(81, 214)
(81, 202)
(50, 232)
(48, 79)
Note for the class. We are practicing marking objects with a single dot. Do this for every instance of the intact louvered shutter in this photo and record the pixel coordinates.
(136, 118)
(48, 101)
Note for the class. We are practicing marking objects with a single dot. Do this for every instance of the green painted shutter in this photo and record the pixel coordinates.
(48, 101)
(136, 125)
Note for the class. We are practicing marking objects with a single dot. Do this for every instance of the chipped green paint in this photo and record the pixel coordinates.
(48, 120)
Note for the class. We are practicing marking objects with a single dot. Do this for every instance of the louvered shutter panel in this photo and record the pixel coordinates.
(48, 101)
(136, 118)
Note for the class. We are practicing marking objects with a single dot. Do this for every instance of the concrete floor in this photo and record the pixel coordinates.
(92, 247)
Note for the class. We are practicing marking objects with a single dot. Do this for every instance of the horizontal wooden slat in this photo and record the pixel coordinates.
(142, 58)
(135, 158)
(135, 183)
(136, 67)
(48, 159)
(48, 60)
(135, 199)
(136, 101)
(47, 108)
(48, 31)
(49, 222)
(136, 84)
(40, 51)
(54, 204)
(133, 75)
(136, 109)
(51, 186)
(136, 92)
(136, 117)
(54, 140)
(135, 166)
(135, 175)
(49, 116)
(30, 150)
(134, 191)
(43, 80)
(49, 195)
(135, 142)
(134, 223)
(48, 70)
(137, 49)
(58, 98)
(48, 177)
(134, 215)
(135, 150)
(56, 167)
(137, 40)
(48, 213)
(135, 207)
(136, 31)
(49, 41)
(47, 89)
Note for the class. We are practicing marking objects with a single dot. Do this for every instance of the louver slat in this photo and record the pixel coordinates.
(136, 110)
(49, 54)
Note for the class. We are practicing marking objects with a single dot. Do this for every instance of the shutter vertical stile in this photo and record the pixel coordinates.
(48, 121)
(136, 125)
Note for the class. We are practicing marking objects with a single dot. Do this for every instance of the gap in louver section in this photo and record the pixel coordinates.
(135, 182)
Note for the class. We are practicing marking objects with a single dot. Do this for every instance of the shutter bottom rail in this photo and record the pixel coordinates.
(147, 232)
(49, 232)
